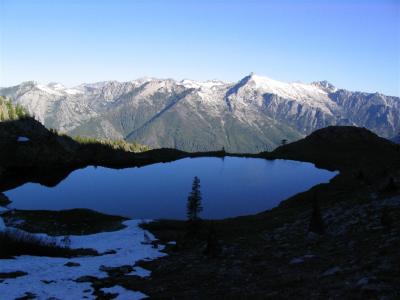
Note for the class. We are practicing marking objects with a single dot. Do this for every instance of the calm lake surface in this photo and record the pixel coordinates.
(230, 187)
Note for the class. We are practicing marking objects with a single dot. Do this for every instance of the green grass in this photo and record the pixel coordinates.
(114, 144)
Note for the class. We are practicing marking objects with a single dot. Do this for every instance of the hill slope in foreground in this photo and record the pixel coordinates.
(276, 254)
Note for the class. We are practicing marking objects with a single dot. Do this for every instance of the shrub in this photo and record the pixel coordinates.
(16, 242)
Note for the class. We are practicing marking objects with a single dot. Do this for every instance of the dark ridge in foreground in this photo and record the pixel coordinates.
(278, 254)
(337, 240)
(341, 148)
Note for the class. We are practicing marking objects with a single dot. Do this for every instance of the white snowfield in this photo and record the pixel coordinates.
(49, 278)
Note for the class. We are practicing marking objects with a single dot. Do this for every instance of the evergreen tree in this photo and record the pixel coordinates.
(194, 201)
(20, 111)
(11, 111)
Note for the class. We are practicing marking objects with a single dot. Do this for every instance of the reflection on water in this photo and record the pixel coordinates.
(230, 187)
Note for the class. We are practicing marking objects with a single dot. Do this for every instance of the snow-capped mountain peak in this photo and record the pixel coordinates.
(56, 86)
(305, 94)
(294, 90)
(244, 116)
(325, 85)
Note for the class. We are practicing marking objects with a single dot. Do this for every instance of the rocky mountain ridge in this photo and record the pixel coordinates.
(252, 115)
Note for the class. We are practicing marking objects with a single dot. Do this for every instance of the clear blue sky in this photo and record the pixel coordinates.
(353, 44)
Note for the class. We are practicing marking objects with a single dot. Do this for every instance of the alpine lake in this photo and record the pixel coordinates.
(230, 187)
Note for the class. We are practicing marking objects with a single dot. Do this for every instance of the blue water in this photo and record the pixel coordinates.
(230, 187)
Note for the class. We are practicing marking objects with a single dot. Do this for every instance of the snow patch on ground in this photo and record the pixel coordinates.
(22, 139)
(141, 272)
(123, 294)
(49, 277)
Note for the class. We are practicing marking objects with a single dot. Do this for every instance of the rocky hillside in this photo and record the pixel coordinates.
(251, 115)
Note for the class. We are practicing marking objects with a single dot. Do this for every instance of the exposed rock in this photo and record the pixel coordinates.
(3, 198)
(332, 271)
(296, 261)
(86, 279)
(117, 271)
(363, 281)
(12, 274)
(72, 264)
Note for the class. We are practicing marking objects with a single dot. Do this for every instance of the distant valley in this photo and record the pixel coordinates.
(252, 115)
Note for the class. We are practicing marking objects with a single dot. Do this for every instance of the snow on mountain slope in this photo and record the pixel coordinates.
(306, 94)
(202, 84)
(250, 115)
(298, 91)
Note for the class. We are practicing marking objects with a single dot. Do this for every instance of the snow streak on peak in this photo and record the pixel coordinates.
(56, 86)
(188, 83)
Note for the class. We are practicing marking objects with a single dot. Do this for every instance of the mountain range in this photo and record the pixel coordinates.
(252, 115)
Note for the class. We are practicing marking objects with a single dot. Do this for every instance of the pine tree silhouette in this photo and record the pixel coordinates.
(194, 201)
(193, 209)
